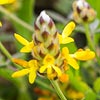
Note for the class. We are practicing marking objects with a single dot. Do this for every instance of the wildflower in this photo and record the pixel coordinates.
(49, 65)
(6, 1)
(48, 58)
(82, 12)
(78, 55)
(29, 67)
(63, 39)
(27, 45)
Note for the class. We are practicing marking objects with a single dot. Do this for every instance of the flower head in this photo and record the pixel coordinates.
(48, 58)
(49, 65)
(30, 67)
(63, 39)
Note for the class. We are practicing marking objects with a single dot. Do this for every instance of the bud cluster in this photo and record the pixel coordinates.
(46, 40)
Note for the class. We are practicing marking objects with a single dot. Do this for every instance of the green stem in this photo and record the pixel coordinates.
(90, 41)
(58, 90)
(5, 52)
(2, 48)
(16, 19)
(88, 36)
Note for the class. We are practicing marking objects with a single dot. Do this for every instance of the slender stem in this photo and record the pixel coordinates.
(90, 42)
(7, 54)
(58, 90)
(88, 36)
(16, 19)
(2, 48)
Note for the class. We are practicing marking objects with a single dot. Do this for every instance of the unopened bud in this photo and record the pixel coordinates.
(82, 12)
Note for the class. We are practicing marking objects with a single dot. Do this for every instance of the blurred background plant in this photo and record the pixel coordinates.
(19, 17)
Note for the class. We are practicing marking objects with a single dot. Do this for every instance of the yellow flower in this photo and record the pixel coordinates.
(27, 45)
(30, 67)
(0, 24)
(63, 39)
(70, 60)
(6, 1)
(49, 65)
(84, 54)
(79, 55)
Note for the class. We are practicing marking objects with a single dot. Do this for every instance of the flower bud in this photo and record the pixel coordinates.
(82, 12)
(46, 39)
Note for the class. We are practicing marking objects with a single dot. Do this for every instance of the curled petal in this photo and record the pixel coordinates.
(20, 62)
(84, 54)
(21, 39)
(71, 61)
(20, 73)
(6, 1)
(68, 29)
(32, 76)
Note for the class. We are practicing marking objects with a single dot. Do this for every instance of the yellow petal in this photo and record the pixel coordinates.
(28, 48)
(20, 73)
(65, 52)
(6, 1)
(84, 54)
(68, 29)
(20, 62)
(65, 40)
(49, 70)
(32, 76)
(21, 39)
(57, 70)
(0, 24)
(42, 68)
(71, 61)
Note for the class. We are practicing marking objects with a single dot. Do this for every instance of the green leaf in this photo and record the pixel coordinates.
(90, 95)
(97, 85)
